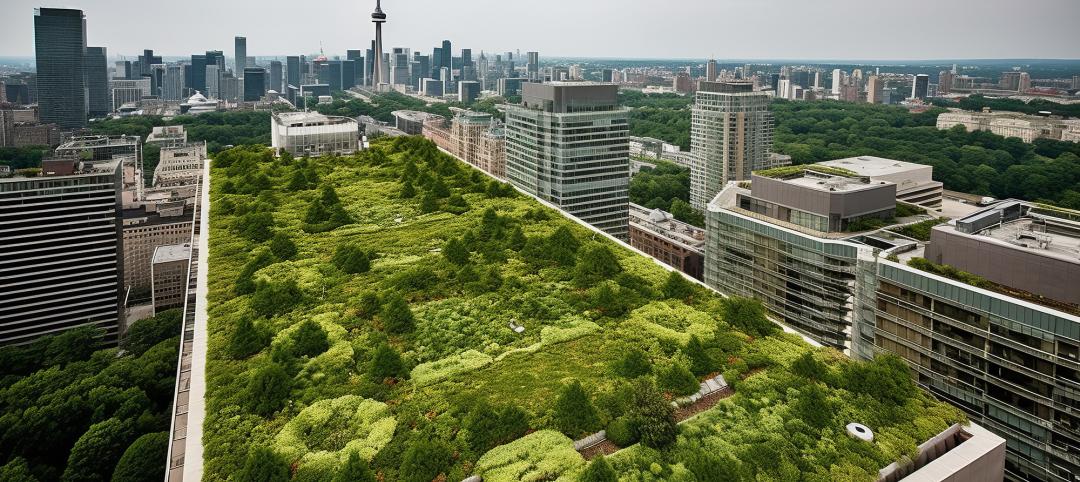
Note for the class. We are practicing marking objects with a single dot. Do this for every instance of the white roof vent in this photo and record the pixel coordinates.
(860, 431)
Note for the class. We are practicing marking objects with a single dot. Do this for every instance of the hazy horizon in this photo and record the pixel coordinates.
(837, 30)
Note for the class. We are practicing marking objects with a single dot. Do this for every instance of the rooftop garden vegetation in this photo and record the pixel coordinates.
(383, 104)
(788, 172)
(977, 281)
(919, 230)
(71, 410)
(436, 324)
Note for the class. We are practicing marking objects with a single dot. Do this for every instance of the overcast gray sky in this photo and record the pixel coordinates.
(725, 29)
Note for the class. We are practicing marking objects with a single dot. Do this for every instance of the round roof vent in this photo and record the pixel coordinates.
(860, 431)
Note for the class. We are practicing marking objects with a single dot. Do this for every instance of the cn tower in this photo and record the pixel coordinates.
(378, 18)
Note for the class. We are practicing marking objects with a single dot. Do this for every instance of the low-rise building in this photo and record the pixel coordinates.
(167, 136)
(169, 276)
(677, 244)
(180, 164)
(25, 135)
(411, 122)
(1012, 124)
(474, 137)
(313, 134)
(145, 229)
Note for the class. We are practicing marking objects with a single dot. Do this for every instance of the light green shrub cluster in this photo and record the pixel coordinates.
(542, 455)
(325, 433)
(429, 372)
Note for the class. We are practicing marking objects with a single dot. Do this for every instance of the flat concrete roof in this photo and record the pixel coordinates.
(172, 252)
(872, 166)
(831, 183)
(1023, 234)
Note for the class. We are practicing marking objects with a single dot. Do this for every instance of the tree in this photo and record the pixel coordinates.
(439, 189)
(574, 413)
(456, 252)
(310, 339)
(17, 470)
(682, 211)
(264, 465)
(257, 226)
(407, 190)
(386, 363)
(808, 366)
(352, 259)
(245, 283)
(700, 361)
(282, 246)
(397, 317)
(355, 470)
(886, 378)
(142, 460)
(517, 239)
(678, 379)
(609, 299)
(813, 407)
(429, 203)
(622, 432)
(654, 417)
(488, 427)
(274, 298)
(599, 470)
(425, 459)
(146, 333)
(328, 196)
(562, 247)
(268, 390)
(97, 452)
(595, 264)
(677, 287)
(367, 305)
(634, 363)
(246, 339)
(748, 315)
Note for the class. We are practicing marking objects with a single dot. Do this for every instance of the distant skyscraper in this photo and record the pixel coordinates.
(378, 18)
(920, 86)
(837, 80)
(216, 57)
(873, 90)
(240, 51)
(468, 91)
(447, 56)
(357, 56)
(710, 70)
(274, 83)
(172, 87)
(60, 51)
(146, 60)
(97, 81)
(292, 70)
(532, 66)
(436, 62)
(606, 75)
(466, 57)
(198, 73)
(254, 84)
(730, 136)
(123, 69)
(588, 180)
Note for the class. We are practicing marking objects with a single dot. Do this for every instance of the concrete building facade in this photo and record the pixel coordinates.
(675, 243)
(568, 143)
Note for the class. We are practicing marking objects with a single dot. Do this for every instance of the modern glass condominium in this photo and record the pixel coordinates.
(730, 136)
(60, 48)
(568, 143)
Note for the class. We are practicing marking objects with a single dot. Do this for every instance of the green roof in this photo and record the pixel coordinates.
(315, 378)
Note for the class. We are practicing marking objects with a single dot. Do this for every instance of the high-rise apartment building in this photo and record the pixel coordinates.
(873, 90)
(920, 87)
(730, 136)
(97, 81)
(446, 61)
(568, 144)
(357, 56)
(62, 262)
(532, 65)
(240, 59)
(60, 53)
(711, 70)
(837, 80)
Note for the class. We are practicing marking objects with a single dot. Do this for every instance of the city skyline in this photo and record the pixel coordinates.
(839, 30)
